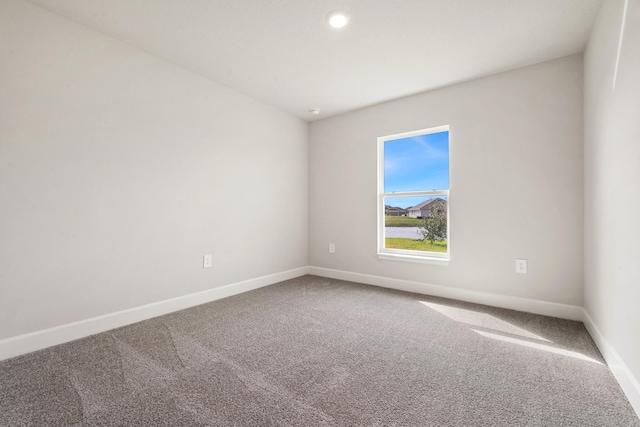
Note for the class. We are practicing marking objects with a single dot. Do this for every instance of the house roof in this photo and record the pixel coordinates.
(425, 204)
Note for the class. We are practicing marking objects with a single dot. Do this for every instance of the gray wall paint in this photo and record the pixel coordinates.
(612, 180)
(516, 183)
(119, 171)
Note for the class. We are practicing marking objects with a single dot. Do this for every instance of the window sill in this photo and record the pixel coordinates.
(413, 258)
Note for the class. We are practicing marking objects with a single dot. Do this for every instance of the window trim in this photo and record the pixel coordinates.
(405, 254)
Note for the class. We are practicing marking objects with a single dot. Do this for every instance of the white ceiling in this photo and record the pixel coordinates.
(283, 53)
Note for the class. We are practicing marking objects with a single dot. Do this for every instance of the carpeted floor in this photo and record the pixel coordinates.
(314, 351)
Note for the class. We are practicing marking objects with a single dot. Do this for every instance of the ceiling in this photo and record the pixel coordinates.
(283, 52)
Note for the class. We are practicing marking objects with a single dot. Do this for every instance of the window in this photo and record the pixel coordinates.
(413, 196)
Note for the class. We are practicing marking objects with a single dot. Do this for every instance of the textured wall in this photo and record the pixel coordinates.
(118, 171)
(516, 183)
(612, 179)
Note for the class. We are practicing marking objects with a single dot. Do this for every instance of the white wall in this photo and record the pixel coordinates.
(118, 171)
(516, 183)
(612, 181)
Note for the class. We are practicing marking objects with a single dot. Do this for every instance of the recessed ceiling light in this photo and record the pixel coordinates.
(314, 111)
(338, 18)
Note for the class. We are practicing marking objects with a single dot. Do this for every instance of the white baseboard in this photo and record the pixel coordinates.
(564, 311)
(38, 340)
(629, 384)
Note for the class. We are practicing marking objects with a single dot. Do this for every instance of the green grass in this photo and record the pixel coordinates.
(415, 245)
(402, 221)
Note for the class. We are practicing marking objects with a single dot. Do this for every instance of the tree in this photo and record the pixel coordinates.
(435, 224)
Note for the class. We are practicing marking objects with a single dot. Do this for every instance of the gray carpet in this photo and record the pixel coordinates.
(313, 352)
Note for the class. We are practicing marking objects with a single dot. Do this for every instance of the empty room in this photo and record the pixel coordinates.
(320, 213)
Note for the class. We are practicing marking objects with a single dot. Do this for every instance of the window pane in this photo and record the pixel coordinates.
(417, 163)
(416, 223)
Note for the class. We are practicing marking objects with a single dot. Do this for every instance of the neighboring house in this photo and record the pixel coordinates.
(422, 210)
(394, 211)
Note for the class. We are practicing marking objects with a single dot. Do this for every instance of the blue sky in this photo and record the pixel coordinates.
(415, 164)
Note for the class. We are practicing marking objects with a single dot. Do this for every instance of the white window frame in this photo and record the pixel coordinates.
(405, 254)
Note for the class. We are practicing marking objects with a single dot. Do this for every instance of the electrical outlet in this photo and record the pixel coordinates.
(521, 266)
(332, 248)
(207, 261)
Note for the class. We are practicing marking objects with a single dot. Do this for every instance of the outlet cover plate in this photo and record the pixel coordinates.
(521, 266)
(207, 261)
